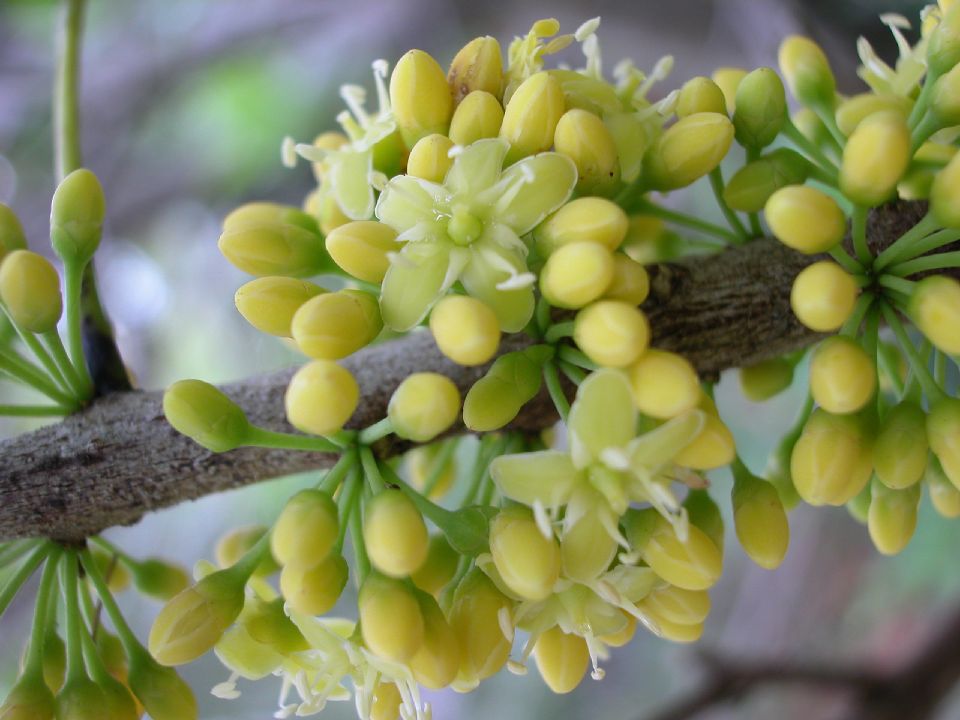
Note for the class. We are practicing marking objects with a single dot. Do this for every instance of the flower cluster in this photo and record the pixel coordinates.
(525, 200)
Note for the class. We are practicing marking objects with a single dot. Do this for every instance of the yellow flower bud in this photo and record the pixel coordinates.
(675, 632)
(321, 397)
(811, 126)
(76, 216)
(676, 605)
(852, 111)
(439, 567)
(648, 241)
(760, 520)
(331, 326)
(586, 549)
(330, 215)
(29, 699)
(315, 590)
(436, 663)
(586, 219)
(688, 150)
(823, 296)
(465, 329)
(272, 249)
(766, 379)
(831, 461)
(531, 116)
(805, 219)
(30, 288)
(761, 108)
(875, 157)
(892, 518)
(943, 494)
(945, 194)
(714, 447)
(693, 564)
(113, 570)
(728, 80)
(843, 377)
(943, 433)
(752, 185)
(474, 617)
(420, 97)
(900, 450)
(423, 406)
(234, 544)
(478, 66)
(11, 232)
(306, 530)
(528, 562)
(260, 214)
(700, 94)
(361, 248)
(160, 690)
(665, 384)
(386, 701)
(159, 578)
(497, 397)
(395, 534)
(807, 72)
(582, 136)
(935, 308)
(269, 303)
(390, 618)
(631, 283)
(430, 158)
(478, 116)
(576, 274)
(194, 620)
(624, 635)
(612, 333)
(420, 463)
(562, 659)
(205, 415)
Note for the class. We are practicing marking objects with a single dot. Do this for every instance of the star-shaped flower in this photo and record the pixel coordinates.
(469, 229)
(608, 467)
(348, 171)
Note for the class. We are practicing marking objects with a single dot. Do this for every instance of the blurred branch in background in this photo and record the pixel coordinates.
(915, 690)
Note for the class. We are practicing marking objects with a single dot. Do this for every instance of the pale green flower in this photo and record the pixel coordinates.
(349, 173)
(909, 69)
(469, 229)
(608, 466)
(591, 610)
(336, 656)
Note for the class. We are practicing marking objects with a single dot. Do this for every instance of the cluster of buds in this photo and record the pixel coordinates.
(512, 198)
(32, 353)
(881, 423)
(84, 671)
(488, 200)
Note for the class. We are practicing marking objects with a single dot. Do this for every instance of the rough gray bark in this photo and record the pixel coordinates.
(119, 459)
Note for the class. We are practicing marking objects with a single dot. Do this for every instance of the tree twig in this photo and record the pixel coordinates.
(118, 459)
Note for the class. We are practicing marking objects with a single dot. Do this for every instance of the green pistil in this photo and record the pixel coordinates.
(463, 227)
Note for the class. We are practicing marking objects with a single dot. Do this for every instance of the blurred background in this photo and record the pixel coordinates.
(184, 105)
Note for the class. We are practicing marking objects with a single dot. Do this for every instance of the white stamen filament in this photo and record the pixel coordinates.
(506, 626)
(542, 520)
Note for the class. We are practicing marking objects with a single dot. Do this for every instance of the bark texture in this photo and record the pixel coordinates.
(118, 459)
